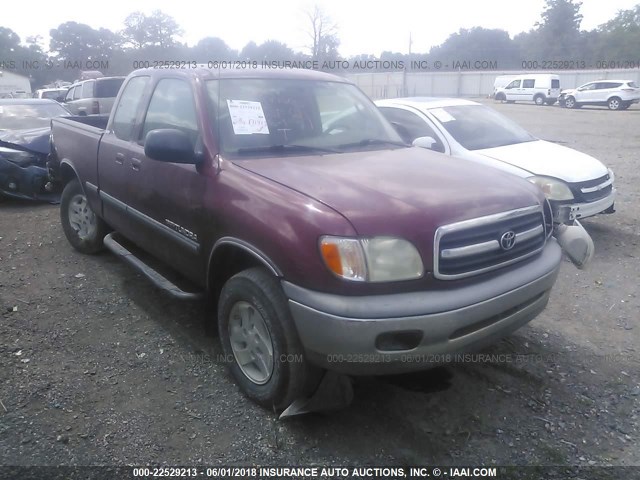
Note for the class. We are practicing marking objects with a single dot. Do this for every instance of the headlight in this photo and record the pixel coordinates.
(377, 259)
(553, 188)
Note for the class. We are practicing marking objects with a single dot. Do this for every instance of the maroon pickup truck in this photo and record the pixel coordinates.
(285, 197)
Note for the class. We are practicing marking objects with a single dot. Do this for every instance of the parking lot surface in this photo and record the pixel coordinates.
(99, 367)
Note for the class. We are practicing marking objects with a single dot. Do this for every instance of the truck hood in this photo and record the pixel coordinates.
(405, 192)
(545, 158)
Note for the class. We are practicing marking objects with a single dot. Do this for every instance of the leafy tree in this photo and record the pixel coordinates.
(619, 38)
(559, 30)
(79, 42)
(477, 44)
(213, 48)
(155, 30)
(9, 42)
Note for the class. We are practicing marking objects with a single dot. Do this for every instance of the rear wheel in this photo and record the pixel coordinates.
(260, 342)
(550, 101)
(82, 227)
(539, 100)
(614, 103)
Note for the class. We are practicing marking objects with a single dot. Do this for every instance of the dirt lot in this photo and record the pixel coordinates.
(99, 367)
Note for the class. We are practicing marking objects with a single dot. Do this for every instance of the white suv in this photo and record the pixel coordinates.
(615, 94)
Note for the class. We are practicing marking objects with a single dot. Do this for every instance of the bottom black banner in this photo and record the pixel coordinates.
(320, 472)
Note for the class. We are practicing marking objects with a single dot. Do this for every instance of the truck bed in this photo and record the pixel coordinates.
(76, 140)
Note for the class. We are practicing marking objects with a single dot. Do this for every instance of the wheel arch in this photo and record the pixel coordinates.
(231, 255)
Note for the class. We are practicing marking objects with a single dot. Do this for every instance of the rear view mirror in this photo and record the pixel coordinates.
(169, 145)
(424, 142)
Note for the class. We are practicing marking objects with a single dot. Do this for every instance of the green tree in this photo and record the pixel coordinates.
(619, 38)
(156, 30)
(558, 32)
(79, 42)
(477, 44)
(213, 48)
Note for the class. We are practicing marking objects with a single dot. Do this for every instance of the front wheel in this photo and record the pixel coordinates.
(260, 341)
(82, 227)
(570, 102)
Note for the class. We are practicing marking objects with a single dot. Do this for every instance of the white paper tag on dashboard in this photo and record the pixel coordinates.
(247, 117)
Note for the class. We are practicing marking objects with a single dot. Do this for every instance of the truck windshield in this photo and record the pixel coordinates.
(296, 117)
(476, 127)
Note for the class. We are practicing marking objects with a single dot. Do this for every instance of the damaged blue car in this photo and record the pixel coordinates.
(25, 126)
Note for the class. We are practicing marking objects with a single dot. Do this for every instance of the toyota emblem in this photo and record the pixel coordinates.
(508, 240)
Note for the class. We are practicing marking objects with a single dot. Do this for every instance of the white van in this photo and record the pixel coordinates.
(539, 88)
(501, 81)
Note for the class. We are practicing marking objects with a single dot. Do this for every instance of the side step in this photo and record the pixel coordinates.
(113, 243)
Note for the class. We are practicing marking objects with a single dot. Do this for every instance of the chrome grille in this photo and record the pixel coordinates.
(482, 244)
(592, 190)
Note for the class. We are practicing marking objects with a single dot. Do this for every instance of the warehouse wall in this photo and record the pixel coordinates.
(465, 84)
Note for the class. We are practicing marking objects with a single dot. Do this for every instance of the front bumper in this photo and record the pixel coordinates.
(368, 335)
(22, 182)
(567, 213)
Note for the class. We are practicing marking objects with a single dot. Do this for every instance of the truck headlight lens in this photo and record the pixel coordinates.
(377, 259)
(552, 188)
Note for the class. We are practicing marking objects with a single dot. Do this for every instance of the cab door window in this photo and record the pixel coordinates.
(171, 106)
(127, 108)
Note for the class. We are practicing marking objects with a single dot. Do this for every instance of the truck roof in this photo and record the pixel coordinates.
(202, 71)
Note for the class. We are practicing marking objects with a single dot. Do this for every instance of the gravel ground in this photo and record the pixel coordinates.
(99, 367)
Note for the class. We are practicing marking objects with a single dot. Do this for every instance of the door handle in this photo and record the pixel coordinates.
(135, 164)
(119, 158)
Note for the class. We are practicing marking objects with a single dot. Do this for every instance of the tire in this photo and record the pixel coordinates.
(539, 100)
(255, 327)
(570, 102)
(500, 97)
(550, 101)
(511, 101)
(614, 103)
(82, 227)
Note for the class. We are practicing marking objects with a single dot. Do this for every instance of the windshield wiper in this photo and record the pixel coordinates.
(285, 148)
(372, 141)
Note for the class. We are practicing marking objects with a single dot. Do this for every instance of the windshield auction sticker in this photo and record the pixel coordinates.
(247, 117)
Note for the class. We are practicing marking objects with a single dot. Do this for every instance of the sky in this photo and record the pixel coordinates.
(363, 26)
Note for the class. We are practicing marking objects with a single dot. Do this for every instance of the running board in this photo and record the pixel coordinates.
(153, 275)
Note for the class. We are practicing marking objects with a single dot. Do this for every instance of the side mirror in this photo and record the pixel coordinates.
(169, 145)
(424, 142)
(575, 242)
